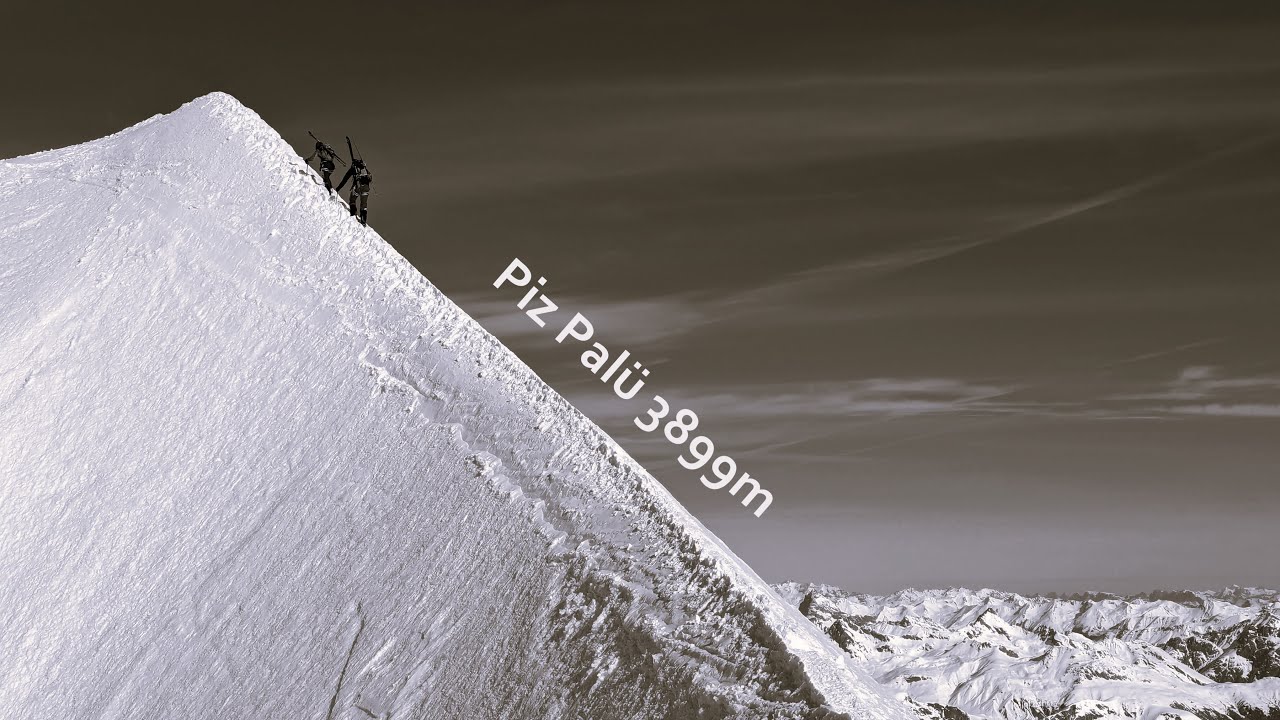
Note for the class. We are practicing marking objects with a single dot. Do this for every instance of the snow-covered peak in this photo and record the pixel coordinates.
(216, 123)
(256, 465)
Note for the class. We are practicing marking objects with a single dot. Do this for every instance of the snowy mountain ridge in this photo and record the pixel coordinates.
(256, 465)
(993, 654)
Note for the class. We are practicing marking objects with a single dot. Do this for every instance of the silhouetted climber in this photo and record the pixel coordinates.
(361, 179)
(327, 158)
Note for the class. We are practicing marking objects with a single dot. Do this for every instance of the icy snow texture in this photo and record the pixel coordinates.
(1004, 656)
(256, 466)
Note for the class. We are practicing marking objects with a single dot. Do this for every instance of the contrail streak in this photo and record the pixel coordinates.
(917, 256)
(956, 406)
(888, 263)
(1162, 353)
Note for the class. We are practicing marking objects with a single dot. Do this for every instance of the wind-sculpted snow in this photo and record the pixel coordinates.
(990, 654)
(256, 466)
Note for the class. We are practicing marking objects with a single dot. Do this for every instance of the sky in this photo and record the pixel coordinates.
(984, 296)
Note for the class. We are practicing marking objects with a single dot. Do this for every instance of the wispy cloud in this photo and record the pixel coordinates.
(1090, 75)
(1238, 411)
(805, 423)
(1208, 383)
(875, 397)
(589, 133)
(661, 318)
(646, 320)
(824, 422)
(1205, 390)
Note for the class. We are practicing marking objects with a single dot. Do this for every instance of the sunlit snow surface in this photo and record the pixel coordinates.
(256, 466)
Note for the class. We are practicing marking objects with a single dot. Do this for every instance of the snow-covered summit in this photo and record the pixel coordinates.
(256, 465)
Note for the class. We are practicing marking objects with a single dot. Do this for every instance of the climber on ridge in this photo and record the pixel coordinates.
(361, 179)
(327, 158)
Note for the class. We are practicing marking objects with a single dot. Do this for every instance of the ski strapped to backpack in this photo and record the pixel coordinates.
(364, 177)
(333, 153)
(351, 152)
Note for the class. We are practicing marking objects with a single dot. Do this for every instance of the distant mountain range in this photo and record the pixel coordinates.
(999, 655)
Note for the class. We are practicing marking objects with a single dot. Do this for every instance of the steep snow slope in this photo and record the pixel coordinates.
(994, 654)
(255, 465)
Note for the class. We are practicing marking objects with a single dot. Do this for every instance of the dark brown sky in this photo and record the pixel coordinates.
(984, 299)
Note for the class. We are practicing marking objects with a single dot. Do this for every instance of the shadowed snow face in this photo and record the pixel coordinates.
(991, 293)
